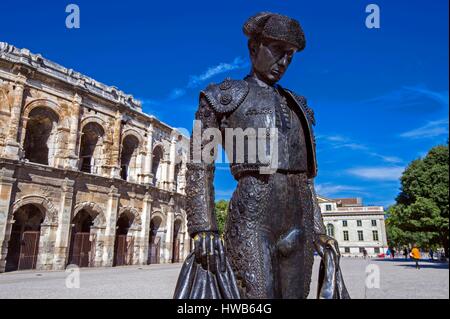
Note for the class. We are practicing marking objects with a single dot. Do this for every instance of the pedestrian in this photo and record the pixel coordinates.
(392, 253)
(364, 253)
(405, 253)
(415, 254)
(431, 253)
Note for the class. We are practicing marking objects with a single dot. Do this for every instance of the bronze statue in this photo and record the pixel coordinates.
(274, 222)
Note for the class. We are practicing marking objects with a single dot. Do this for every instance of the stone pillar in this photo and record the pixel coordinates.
(171, 164)
(47, 241)
(186, 242)
(64, 226)
(115, 147)
(164, 182)
(74, 136)
(61, 147)
(168, 243)
(147, 175)
(12, 147)
(6, 185)
(145, 231)
(111, 222)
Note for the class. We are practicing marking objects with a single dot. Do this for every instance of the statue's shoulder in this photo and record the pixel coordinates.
(303, 102)
(226, 96)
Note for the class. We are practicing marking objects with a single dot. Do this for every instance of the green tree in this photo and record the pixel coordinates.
(421, 212)
(221, 214)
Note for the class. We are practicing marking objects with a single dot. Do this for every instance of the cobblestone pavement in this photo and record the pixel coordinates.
(398, 279)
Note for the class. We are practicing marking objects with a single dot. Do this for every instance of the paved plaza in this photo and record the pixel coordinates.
(398, 279)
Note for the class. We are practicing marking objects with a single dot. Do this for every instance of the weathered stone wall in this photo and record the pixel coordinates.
(84, 126)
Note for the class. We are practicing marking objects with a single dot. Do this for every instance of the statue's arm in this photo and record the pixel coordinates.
(200, 176)
(319, 227)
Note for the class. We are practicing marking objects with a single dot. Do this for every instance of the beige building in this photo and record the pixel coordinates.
(86, 177)
(355, 226)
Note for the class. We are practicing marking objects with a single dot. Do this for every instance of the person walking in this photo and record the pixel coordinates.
(405, 253)
(364, 253)
(392, 253)
(415, 254)
(431, 254)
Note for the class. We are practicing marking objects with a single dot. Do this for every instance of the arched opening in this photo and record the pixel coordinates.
(91, 148)
(40, 136)
(128, 159)
(330, 230)
(154, 247)
(123, 247)
(156, 164)
(80, 244)
(176, 241)
(23, 246)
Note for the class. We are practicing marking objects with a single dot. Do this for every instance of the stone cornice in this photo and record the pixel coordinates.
(44, 66)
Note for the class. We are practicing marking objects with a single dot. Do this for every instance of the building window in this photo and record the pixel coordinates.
(345, 235)
(328, 207)
(347, 249)
(344, 223)
(376, 250)
(330, 230)
(360, 235)
(359, 223)
(375, 235)
(374, 222)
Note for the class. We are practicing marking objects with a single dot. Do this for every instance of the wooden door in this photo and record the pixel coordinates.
(29, 247)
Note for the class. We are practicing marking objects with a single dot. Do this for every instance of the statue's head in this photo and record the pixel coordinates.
(273, 41)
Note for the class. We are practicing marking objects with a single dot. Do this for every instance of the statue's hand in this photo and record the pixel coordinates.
(209, 251)
(324, 243)
(331, 284)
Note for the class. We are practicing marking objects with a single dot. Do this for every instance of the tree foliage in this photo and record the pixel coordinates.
(421, 212)
(221, 207)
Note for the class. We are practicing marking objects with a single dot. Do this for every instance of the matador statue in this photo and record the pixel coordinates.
(274, 223)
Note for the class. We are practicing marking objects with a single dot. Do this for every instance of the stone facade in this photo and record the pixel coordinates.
(355, 226)
(79, 158)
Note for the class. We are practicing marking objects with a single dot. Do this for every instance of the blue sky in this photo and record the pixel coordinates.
(380, 95)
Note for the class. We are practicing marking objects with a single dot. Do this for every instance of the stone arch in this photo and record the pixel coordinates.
(45, 103)
(41, 134)
(47, 207)
(133, 215)
(130, 157)
(95, 119)
(159, 214)
(158, 158)
(94, 210)
(135, 133)
(92, 147)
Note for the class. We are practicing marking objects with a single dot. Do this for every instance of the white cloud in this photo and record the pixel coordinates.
(197, 80)
(238, 63)
(429, 130)
(377, 173)
(342, 142)
(328, 189)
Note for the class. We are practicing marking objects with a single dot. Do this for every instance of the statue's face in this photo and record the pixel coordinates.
(270, 59)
